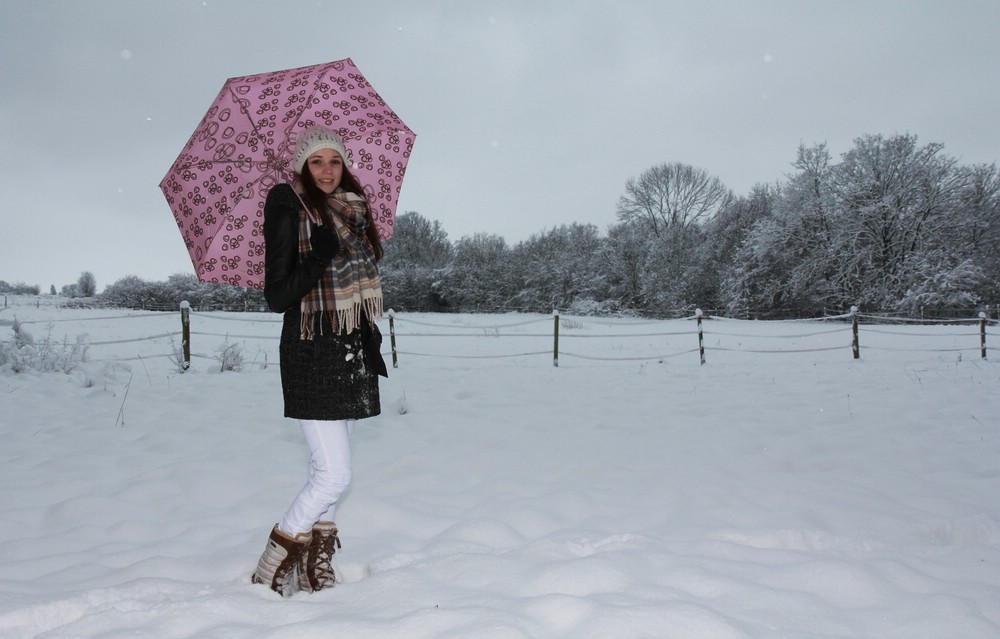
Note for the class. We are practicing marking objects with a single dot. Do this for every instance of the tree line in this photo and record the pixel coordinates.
(892, 226)
(85, 286)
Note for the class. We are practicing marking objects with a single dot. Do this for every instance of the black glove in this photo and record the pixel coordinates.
(323, 242)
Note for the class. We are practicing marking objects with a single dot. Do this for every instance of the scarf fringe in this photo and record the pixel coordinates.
(348, 319)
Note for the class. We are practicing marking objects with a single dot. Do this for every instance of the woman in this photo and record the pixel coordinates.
(321, 251)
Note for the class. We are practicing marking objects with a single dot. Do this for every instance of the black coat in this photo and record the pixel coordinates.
(332, 376)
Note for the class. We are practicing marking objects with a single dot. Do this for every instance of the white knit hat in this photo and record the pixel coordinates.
(313, 139)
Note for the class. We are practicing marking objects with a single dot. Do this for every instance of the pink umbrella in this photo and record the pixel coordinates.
(244, 145)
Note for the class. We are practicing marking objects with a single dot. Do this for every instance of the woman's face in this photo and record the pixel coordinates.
(327, 168)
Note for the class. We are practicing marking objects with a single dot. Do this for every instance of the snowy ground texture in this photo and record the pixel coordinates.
(802, 494)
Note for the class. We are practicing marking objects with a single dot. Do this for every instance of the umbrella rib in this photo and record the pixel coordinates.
(267, 151)
(321, 73)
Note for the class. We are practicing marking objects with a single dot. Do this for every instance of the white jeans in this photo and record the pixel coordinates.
(329, 474)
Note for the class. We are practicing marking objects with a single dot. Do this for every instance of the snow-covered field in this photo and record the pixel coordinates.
(803, 494)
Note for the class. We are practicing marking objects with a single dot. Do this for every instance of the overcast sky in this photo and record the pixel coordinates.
(528, 115)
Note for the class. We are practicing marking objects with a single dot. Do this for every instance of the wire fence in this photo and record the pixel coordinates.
(704, 335)
(557, 337)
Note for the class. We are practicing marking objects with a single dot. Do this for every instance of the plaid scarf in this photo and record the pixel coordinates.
(351, 282)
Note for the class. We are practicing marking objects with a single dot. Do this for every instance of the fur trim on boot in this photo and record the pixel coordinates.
(316, 564)
(278, 565)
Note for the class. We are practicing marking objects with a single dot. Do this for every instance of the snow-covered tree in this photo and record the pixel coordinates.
(415, 261)
(893, 196)
(86, 286)
(623, 263)
(725, 235)
(555, 268)
(480, 277)
(417, 241)
(974, 230)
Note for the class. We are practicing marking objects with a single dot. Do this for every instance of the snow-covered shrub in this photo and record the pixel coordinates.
(24, 353)
(939, 281)
(230, 356)
(591, 307)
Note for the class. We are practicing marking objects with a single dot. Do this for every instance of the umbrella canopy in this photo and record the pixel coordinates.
(244, 146)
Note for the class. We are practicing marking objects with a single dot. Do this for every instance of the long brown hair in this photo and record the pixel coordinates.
(315, 199)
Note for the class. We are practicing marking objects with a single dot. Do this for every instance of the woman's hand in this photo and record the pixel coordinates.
(323, 242)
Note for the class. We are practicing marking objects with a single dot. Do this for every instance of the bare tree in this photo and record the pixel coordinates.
(672, 195)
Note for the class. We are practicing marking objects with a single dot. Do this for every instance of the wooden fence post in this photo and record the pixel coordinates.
(701, 337)
(855, 345)
(392, 337)
(186, 335)
(982, 334)
(555, 338)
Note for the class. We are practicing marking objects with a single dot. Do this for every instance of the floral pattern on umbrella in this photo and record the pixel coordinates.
(244, 145)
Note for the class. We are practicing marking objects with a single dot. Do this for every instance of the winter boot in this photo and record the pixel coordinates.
(316, 564)
(278, 566)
